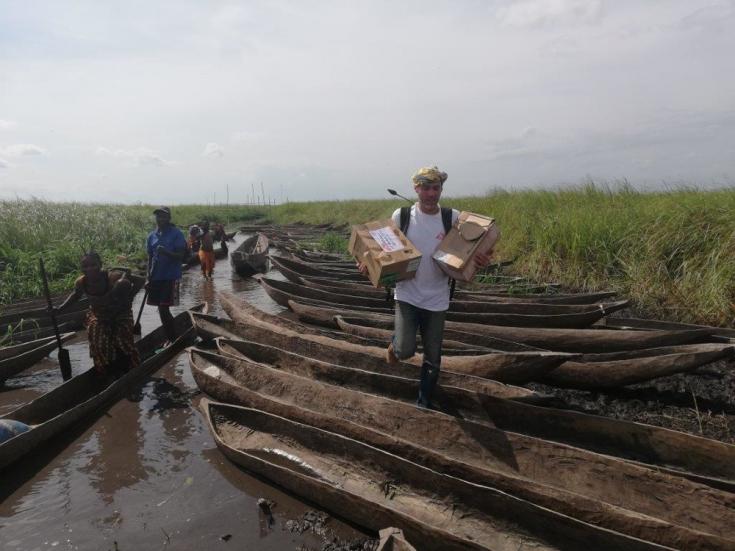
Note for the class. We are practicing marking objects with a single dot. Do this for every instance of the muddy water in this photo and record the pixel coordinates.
(146, 474)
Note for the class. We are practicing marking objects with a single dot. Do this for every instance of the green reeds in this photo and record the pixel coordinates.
(61, 233)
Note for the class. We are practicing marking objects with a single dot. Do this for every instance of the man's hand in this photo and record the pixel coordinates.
(147, 284)
(482, 260)
(362, 268)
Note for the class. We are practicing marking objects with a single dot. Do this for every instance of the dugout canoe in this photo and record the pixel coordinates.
(605, 371)
(251, 256)
(18, 337)
(458, 306)
(372, 488)
(73, 320)
(574, 320)
(88, 394)
(316, 263)
(568, 340)
(346, 325)
(365, 291)
(477, 294)
(211, 327)
(702, 460)
(601, 490)
(39, 312)
(708, 461)
(506, 367)
(293, 270)
(648, 325)
(453, 348)
(17, 358)
(402, 384)
(595, 371)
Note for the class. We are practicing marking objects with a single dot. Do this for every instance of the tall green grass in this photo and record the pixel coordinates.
(61, 233)
(672, 253)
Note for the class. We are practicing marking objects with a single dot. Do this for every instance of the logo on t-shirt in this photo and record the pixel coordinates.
(440, 235)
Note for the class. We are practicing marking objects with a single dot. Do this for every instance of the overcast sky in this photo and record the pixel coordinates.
(173, 101)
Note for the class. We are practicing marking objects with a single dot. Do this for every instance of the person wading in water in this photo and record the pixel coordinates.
(206, 251)
(109, 321)
(166, 248)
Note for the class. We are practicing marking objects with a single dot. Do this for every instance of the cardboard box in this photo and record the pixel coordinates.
(389, 256)
(471, 234)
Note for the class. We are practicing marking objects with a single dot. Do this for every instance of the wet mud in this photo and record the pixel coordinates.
(701, 402)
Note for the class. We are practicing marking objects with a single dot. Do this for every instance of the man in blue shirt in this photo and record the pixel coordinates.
(166, 247)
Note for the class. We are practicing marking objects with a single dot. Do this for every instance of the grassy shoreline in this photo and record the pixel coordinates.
(672, 252)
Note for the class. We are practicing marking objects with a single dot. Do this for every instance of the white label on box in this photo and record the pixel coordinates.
(387, 239)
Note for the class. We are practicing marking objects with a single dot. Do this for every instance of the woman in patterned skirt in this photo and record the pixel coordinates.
(109, 321)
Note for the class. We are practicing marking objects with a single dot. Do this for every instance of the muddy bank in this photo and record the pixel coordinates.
(701, 402)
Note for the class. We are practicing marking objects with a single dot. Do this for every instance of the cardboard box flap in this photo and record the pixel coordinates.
(471, 231)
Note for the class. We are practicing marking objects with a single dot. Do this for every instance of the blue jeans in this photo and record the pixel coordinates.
(410, 319)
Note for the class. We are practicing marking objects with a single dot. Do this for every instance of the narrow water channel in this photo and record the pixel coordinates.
(146, 474)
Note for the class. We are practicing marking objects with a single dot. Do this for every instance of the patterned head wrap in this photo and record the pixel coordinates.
(429, 175)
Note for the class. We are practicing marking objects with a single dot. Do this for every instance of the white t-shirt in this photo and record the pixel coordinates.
(429, 289)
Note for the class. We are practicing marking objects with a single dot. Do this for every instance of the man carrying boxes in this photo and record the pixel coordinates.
(421, 301)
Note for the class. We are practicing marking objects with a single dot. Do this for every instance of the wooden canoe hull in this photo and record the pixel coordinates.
(458, 306)
(436, 511)
(588, 375)
(40, 312)
(212, 328)
(72, 320)
(702, 459)
(506, 367)
(568, 340)
(16, 364)
(577, 483)
(648, 325)
(364, 290)
(251, 256)
(462, 402)
(82, 396)
(582, 319)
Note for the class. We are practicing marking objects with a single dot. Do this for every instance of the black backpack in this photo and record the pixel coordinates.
(446, 220)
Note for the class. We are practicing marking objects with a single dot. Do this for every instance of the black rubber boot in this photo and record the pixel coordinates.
(429, 378)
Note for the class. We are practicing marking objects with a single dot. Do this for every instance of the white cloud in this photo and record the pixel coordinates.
(4, 163)
(22, 150)
(137, 157)
(213, 150)
(713, 15)
(534, 13)
(243, 136)
(7, 125)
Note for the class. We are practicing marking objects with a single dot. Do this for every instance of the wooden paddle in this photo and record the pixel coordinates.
(64, 360)
(136, 328)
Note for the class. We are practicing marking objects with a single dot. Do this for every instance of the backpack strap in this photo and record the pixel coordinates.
(405, 219)
(447, 221)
